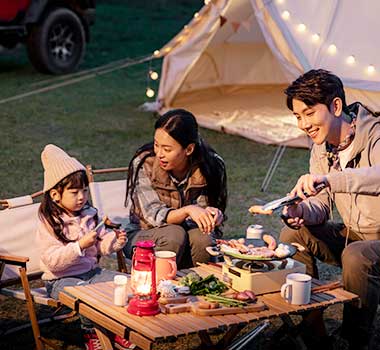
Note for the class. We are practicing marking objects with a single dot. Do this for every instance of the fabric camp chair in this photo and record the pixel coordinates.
(19, 260)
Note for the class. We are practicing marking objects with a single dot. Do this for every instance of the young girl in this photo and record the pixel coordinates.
(176, 190)
(66, 236)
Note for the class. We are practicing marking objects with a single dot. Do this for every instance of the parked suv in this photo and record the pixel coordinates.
(55, 31)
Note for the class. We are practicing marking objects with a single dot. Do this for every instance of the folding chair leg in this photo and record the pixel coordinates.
(104, 339)
(31, 310)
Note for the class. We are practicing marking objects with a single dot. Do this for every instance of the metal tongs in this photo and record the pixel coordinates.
(288, 200)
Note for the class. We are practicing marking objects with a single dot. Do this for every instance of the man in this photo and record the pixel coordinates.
(346, 158)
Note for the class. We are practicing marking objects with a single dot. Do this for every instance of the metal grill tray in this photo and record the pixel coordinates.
(260, 243)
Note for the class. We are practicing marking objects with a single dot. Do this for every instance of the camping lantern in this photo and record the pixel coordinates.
(143, 280)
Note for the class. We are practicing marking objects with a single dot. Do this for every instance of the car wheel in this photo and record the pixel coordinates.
(57, 44)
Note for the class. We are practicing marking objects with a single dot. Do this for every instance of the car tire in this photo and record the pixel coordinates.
(57, 44)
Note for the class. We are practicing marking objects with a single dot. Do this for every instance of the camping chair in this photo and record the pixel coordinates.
(109, 197)
(19, 260)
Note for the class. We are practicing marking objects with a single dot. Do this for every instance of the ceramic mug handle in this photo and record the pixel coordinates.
(285, 292)
(173, 272)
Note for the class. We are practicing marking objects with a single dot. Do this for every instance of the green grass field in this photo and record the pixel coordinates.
(98, 120)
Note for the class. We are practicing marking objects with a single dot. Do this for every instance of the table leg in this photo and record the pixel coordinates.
(293, 331)
(230, 335)
(206, 341)
(104, 339)
(238, 344)
(224, 342)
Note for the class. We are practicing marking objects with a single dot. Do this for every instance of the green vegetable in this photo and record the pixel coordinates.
(207, 285)
(189, 279)
(224, 300)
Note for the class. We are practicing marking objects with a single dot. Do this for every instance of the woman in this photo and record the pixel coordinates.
(176, 190)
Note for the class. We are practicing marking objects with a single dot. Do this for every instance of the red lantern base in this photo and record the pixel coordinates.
(143, 307)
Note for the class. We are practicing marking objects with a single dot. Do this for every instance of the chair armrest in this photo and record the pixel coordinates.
(14, 259)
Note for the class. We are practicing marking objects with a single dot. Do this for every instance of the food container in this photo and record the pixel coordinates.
(254, 232)
(120, 291)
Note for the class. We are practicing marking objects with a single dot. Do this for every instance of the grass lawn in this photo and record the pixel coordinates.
(98, 120)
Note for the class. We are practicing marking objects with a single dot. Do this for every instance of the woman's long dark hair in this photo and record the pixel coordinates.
(51, 212)
(182, 126)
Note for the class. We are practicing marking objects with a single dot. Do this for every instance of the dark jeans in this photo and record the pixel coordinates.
(54, 287)
(360, 262)
(188, 245)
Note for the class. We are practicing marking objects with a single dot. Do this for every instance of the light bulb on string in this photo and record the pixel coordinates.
(207, 2)
(285, 15)
(149, 92)
(332, 49)
(301, 27)
(371, 69)
(315, 37)
(156, 53)
(153, 75)
(350, 60)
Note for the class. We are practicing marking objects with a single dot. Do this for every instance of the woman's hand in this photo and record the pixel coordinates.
(306, 184)
(121, 236)
(202, 217)
(88, 240)
(217, 215)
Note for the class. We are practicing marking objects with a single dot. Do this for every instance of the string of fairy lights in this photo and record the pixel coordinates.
(153, 75)
(331, 48)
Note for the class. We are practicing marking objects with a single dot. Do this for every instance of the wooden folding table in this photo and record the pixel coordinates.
(95, 302)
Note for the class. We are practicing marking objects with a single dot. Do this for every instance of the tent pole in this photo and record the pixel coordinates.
(272, 167)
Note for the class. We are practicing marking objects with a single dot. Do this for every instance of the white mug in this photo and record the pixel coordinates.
(254, 232)
(297, 289)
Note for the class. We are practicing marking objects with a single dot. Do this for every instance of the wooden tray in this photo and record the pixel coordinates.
(222, 310)
(175, 300)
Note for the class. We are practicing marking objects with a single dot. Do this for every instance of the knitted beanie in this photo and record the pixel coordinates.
(57, 165)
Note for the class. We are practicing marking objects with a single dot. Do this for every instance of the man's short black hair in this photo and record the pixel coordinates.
(316, 86)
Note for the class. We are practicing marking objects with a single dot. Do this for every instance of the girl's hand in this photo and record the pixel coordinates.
(121, 236)
(88, 240)
(217, 215)
(306, 184)
(202, 217)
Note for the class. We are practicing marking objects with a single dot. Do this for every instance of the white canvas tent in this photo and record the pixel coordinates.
(231, 63)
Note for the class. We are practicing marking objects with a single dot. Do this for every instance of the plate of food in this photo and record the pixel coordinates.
(253, 249)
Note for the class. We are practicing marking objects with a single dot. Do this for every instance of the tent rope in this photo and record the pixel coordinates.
(80, 76)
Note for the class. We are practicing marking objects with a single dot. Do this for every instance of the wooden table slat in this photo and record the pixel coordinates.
(118, 313)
